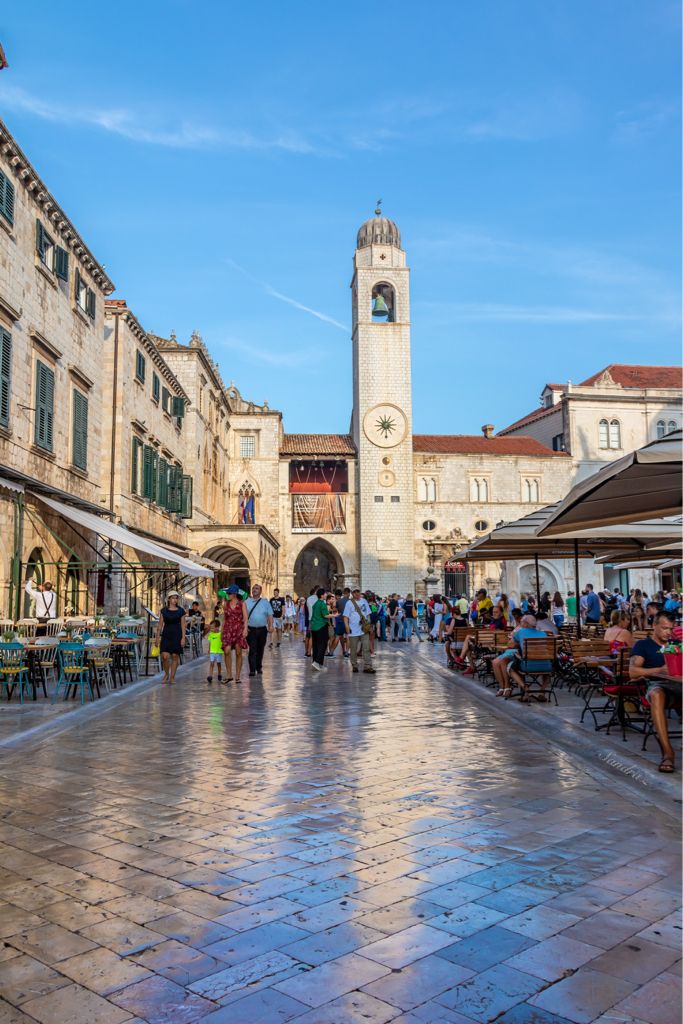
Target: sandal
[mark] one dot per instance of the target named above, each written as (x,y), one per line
(505,692)
(667,766)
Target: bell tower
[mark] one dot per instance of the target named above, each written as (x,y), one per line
(382,407)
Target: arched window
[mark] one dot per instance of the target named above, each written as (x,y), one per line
(603,434)
(661,428)
(532,489)
(426,488)
(671,425)
(383,303)
(35,571)
(614,434)
(246,505)
(73,586)
(479,489)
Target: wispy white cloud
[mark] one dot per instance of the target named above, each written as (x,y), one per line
(128,125)
(269,290)
(642,122)
(285,356)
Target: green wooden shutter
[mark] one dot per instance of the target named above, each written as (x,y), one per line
(61,267)
(155,475)
(135,466)
(79,450)
(45,400)
(156,386)
(6,198)
(5,375)
(90,303)
(40,239)
(178,407)
(165,399)
(162,489)
(140,366)
(186,504)
(147,483)
(175,489)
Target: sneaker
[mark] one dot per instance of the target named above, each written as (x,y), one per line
(347,654)
(316,666)
(369,671)
(209,679)
(251,674)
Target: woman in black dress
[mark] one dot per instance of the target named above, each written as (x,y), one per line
(171,635)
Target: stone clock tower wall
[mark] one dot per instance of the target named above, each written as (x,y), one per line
(382,409)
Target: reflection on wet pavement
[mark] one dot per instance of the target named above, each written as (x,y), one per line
(327,848)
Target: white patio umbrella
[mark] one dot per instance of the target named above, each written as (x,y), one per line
(645,483)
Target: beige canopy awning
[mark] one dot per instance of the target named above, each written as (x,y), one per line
(122,535)
(643,484)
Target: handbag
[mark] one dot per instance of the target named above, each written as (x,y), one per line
(155,652)
(366,626)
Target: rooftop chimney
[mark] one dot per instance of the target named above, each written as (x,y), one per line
(487,430)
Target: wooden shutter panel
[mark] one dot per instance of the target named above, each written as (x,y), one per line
(61,263)
(147,487)
(5,375)
(6,198)
(45,398)
(186,509)
(178,407)
(162,489)
(40,231)
(79,454)
(155,475)
(135,466)
(90,303)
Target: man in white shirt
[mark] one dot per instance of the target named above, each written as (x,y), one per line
(356,616)
(45,600)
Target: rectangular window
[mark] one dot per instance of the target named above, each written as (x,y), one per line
(379,498)
(85,297)
(45,401)
(166,400)
(162,485)
(156,387)
(186,510)
(5,375)
(178,407)
(558,443)
(247,446)
(140,366)
(79,440)
(6,198)
(395,498)
(175,489)
(136,466)
(149,465)
(44,246)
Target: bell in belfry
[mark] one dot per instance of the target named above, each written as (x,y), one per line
(379,306)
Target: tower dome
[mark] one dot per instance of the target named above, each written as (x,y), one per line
(378,230)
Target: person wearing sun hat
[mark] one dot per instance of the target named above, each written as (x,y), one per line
(234,635)
(170,635)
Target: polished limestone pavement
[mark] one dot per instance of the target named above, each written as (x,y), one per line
(327,848)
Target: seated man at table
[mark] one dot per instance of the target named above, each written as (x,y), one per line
(648,664)
(518,666)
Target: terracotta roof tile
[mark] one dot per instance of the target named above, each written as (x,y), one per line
(639,376)
(317,444)
(537,414)
(477,444)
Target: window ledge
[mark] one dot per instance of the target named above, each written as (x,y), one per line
(6,432)
(140,383)
(9,228)
(82,315)
(47,274)
(45,453)
(77,471)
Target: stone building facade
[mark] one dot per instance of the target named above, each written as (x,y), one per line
(53,378)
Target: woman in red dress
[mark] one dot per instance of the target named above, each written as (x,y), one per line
(234,634)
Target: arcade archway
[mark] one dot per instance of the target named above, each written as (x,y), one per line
(318,565)
(235,566)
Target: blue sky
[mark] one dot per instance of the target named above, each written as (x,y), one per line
(220,157)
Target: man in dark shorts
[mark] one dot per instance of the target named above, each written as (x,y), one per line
(339,636)
(277,604)
(648,665)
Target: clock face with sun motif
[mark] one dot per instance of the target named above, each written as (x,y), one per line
(385,425)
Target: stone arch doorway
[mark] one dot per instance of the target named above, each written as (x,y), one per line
(35,571)
(317,564)
(236,566)
(547,579)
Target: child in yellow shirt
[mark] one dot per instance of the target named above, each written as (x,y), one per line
(215,650)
